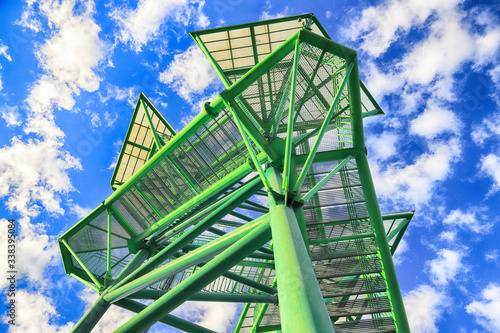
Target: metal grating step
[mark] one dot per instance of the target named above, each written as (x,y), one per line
(338,230)
(360,306)
(349,287)
(375,325)
(347,267)
(343,249)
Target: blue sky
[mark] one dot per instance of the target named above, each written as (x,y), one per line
(71,72)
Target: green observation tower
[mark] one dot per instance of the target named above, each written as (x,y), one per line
(265,198)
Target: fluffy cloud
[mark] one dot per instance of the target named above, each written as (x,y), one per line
(37,315)
(11,115)
(487,309)
(473,219)
(382,146)
(382,25)
(488,129)
(183,79)
(69,58)
(34,174)
(452,37)
(424,307)
(490,166)
(445,267)
(434,121)
(37,251)
(143,24)
(34,171)
(415,183)
(215,316)
(3,51)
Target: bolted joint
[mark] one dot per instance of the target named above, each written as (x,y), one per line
(297,204)
(293,201)
(209,110)
(278,198)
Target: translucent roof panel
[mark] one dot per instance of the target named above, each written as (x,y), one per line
(241,47)
(139,144)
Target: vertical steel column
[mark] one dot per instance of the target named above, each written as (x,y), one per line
(384,252)
(302,308)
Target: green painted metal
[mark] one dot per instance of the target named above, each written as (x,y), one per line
(100,306)
(233,200)
(297,285)
(89,273)
(325,179)
(291,118)
(393,290)
(167,319)
(210,297)
(231,256)
(322,130)
(109,276)
(250,149)
(194,257)
(321,247)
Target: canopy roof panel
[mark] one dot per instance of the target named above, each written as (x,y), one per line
(240,47)
(140,143)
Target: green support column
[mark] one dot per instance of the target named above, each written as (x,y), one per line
(302,308)
(197,281)
(389,272)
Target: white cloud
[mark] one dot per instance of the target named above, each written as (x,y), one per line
(143,24)
(382,146)
(445,268)
(267,16)
(114,318)
(424,307)
(490,166)
(120,94)
(487,130)
(451,38)
(449,236)
(34,173)
(36,252)
(95,119)
(473,219)
(187,82)
(37,314)
(11,115)
(34,170)
(381,82)
(492,256)
(487,309)
(80,211)
(3,51)
(448,46)
(382,25)
(415,183)
(215,316)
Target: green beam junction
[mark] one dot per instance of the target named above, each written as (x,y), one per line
(265,198)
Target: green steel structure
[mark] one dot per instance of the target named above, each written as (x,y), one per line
(264,198)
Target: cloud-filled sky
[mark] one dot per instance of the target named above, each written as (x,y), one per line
(71,72)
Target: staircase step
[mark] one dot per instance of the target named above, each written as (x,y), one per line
(375,325)
(347,287)
(341,267)
(360,306)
